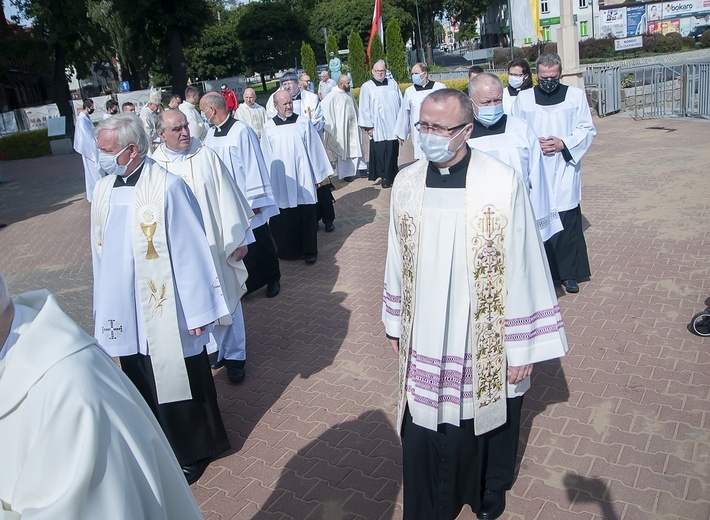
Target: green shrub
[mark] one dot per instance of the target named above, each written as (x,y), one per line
(394,47)
(25,145)
(356,59)
(705,39)
(308,61)
(651,42)
(376,51)
(671,42)
(596,48)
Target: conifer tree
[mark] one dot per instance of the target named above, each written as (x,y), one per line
(376,51)
(356,59)
(308,60)
(396,60)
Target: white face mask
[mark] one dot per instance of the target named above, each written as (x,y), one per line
(516,81)
(109,163)
(436,147)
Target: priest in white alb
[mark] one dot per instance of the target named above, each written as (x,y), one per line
(226,215)
(297,164)
(305,103)
(380,100)
(412,101)
(560,116)
(198,128)
(238,147)
(468,306)
(512,141)
(251,113)
(156,291)
(77,440)
(149,116)
(342,135)
(85,145)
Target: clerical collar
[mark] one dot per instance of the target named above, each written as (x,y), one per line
(380,83)
(223,129)
(456,176)
(550,98)
(297,97)
(175,156)
(289,120)
(429,85)
(130,180)
(513,91)
(481,130)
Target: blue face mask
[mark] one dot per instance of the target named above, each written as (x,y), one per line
(417,79)
(436,147)
(488,116)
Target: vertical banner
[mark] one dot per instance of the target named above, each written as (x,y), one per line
(636,20)
(376,28)
(522,20)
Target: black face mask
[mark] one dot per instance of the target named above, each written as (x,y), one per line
(548,85)
(90,111)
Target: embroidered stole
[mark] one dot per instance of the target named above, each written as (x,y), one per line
(154,278)
(489,186)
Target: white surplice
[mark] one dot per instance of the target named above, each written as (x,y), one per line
(571,121)
(77,439)
(119,319)
(408,114)
(150,122)
(443,317)
(85,144)
(379,108)
(519,148)
(296,160)
(254,116)
(342,135)
(198,128)
(240,152)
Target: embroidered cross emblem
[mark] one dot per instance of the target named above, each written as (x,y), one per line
(112,329)
(309,111)
(488,216)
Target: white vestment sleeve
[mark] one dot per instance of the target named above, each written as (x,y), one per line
(402,125)
(392,293)
(365,113)
(533,325)
(317,119)
(194,271)
(540,186)
(583,134)
(317,156)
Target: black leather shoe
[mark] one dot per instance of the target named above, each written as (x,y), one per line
(385,185)
(349,179)
(194,471)
(273,288)
(215,362)
(311,259)
(571,286)
(492,504)
(329,227)
(235,371)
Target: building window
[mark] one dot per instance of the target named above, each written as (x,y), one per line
(583,4)
(527,41)
(544,8)
(546,34)
(583,28)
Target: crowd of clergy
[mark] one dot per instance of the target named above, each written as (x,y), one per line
(193,206)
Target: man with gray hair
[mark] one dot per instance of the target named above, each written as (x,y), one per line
(73,429)
(511,140)
(156,290)
(325,85)
(380,100)
(412,101)
(560,116)
(305,103)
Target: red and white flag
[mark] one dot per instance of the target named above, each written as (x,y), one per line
(376,27)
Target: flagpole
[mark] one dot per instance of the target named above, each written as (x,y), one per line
(420,49)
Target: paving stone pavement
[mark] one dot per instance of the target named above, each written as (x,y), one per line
(617,430)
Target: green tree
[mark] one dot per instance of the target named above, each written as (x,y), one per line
(332,44)
(308,60)
(356,59)
(217,53)
(395,51)
(268,47)
(376,51)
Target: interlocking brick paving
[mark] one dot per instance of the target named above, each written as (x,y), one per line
(617,430)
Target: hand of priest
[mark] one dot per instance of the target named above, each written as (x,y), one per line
(394,343)
(517,374)
(240,253)
(551,145)
(197,331)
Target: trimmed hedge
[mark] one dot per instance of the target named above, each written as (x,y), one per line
(25,145)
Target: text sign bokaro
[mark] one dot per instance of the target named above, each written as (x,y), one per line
(623,44)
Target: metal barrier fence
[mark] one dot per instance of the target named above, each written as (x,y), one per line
(651,91)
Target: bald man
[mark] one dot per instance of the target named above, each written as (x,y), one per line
(251,112)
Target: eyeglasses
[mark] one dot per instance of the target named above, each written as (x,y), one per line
(436,129)
(379,70)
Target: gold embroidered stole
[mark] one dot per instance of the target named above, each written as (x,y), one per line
(489,186)
(154,277)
